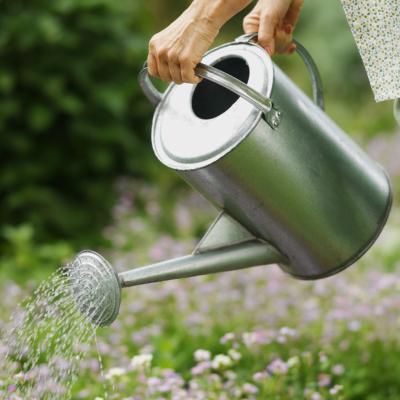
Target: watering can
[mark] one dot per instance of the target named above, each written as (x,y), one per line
(292,188)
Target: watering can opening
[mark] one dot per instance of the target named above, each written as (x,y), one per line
(210,100)
(195,125)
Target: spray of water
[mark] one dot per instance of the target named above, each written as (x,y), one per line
(47,337)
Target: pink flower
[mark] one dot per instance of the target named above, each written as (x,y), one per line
(278,367)
(338,369)
(260,376)
(228,337)
(324,380)
(249,388)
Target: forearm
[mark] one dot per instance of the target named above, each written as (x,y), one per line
(217,12)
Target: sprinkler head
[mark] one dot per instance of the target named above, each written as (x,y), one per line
(96,287)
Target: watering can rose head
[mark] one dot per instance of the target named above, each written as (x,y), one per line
(95,287)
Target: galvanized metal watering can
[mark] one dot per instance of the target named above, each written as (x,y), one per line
(291,186)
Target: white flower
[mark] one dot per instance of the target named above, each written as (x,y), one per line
(285,331)
(316,396)
(98,398)
(117,371)
(354,326)
(249,338)
(338,369)
(141,361)
(336,389)
(293,361)
(230,375)
(228,337)
(323,359)
(234,354)
(221,361)
(202,355)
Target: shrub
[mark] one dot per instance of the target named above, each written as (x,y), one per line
(71,114)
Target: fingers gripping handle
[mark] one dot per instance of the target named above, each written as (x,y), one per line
(223,79)
(229,82)
(316,81)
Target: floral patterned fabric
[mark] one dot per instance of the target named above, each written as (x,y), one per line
(375,25)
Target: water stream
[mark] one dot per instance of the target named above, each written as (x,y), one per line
(44,343)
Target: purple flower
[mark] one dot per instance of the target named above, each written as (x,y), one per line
(278,367)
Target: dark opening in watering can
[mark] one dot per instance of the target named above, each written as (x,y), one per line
(291,186)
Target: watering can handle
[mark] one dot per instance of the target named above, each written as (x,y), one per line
(240,88)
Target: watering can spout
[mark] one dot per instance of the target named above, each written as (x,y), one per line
(226,246)
(231,258)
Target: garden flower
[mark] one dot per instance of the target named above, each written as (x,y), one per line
(11,388)
(293,361)
(323,359)
(336,389)
(324,380)
(316,396)
(278,367)
(200,368)
(202,355)
(285,331)
(228,337)
(249,338)
(230,375)
(204,306)
(249,388)
(260,376)
(234,354)
(221,361)
(338,369)
(354,326)
(141,362)
(115,372)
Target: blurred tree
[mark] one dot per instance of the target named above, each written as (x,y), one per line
(72,117)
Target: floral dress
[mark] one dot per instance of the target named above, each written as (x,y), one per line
(375,25)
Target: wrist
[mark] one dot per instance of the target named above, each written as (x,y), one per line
(217,12)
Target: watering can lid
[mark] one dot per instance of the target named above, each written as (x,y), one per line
(184,141)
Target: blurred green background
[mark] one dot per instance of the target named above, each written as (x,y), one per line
(78,171)
(73,120)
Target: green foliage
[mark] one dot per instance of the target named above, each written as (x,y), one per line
(23,259)
(264,334)
(72,116)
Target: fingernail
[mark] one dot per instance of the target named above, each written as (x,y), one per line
(288,28)
(291,48)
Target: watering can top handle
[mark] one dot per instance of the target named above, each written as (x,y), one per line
(240,88)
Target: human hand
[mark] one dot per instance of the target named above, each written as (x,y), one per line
(175,51)
(274,20)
